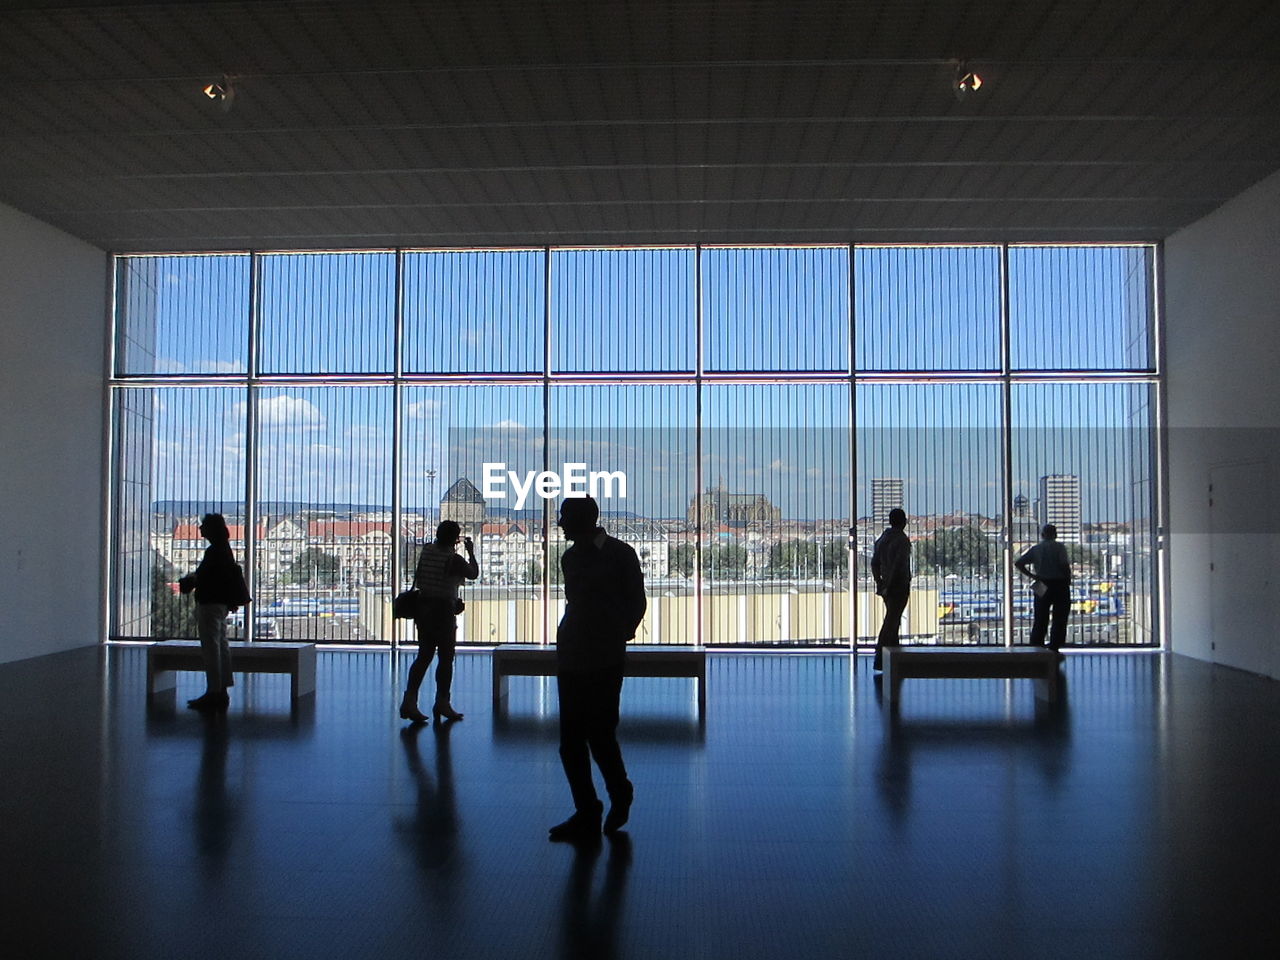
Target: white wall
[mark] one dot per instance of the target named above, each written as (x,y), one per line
(53,291)
(1222,302)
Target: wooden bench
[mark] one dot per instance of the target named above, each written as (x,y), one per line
(296,659)
(1035,663)
(526,660)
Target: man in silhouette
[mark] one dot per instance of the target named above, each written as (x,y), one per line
(891,568)
(1052,568)
(604,604)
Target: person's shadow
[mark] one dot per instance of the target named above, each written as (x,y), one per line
(591,921)
(215,811)
(433,830)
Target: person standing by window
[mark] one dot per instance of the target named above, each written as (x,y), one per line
(1052,587)
(891,568)
(439,574)
(218,583)
(604,604)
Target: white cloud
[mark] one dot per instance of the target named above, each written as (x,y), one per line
(423,409)
(286,411)
(508,425)
(173,366)
(220,366)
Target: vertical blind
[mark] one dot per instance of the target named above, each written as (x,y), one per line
(765,405)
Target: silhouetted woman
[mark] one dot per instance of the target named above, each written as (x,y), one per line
(220,589)
(439,574)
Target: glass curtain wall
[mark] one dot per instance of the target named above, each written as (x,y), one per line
(764,407)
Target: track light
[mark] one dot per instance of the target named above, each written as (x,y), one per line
(966,81)
(221,92)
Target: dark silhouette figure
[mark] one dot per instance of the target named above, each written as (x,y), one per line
(439,574)
(604,604)
(1052,568)
(891,568)
(220,589)
(591,923)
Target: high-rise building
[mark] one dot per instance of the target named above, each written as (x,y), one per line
(886,494)
(1060,505)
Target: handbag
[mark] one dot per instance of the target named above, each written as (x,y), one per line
(405,605)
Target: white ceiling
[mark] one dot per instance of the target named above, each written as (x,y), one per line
(495,123)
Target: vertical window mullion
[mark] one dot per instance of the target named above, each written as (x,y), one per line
(397,440)
(251,441)
(1006,450)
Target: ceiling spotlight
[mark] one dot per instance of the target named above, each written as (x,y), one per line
(221,92)
(966,81)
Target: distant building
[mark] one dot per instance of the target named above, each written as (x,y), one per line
(463,504)
(1023,529)
(1060,505)
(886,495)
(718,506)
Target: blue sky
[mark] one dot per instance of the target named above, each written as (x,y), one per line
(770,310)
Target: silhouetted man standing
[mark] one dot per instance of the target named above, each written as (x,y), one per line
(604,604)
(891,568)
(1053,569)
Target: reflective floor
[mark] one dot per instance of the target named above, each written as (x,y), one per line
(1139,820)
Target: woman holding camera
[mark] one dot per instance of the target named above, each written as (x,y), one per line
(439,574)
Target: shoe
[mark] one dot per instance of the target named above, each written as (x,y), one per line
(410,712)
(210,701)
(619,811)
(582,827)
(442,711)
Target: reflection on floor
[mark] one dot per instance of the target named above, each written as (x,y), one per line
(1138,821)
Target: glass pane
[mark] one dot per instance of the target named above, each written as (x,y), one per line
(1083,461)
(776,308)
(774,513)
(927,308)
(1081,308)
(641,438)
(182,314)
(450,434)
(327,313)
(623,310)
(324,511)
(935,451)
(474,312)
(179,455)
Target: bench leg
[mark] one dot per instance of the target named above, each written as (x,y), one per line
(499,686)
(1047,687)
(303,675)
(161,685)
(161,681)
(702,693)
(890,683)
